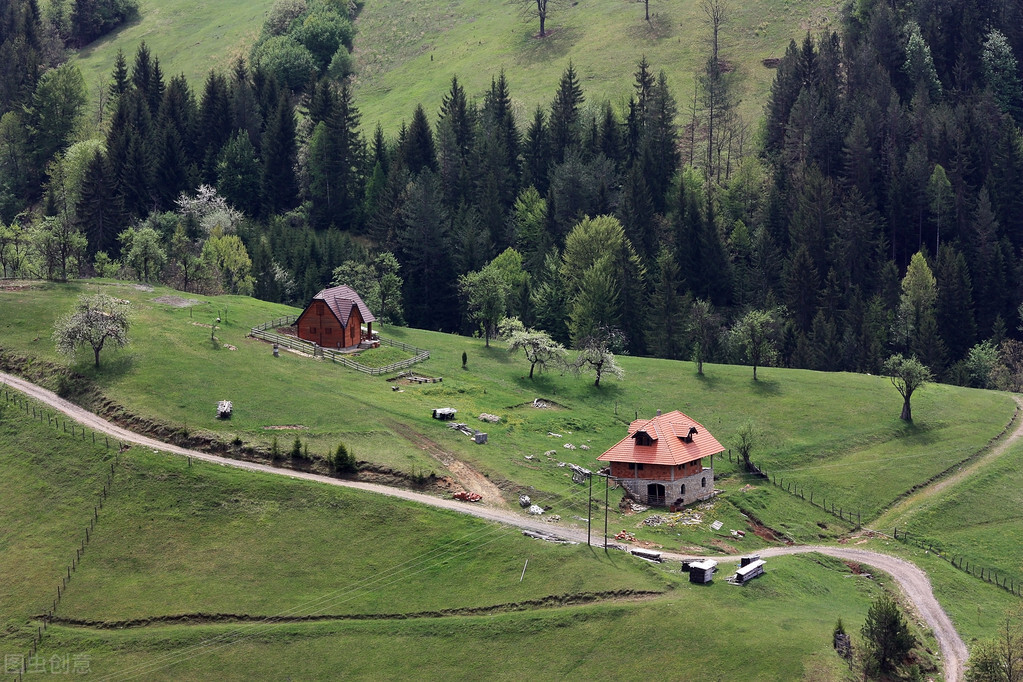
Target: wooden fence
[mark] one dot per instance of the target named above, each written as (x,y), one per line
(264,332)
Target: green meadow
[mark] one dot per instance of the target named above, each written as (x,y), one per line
(407,50)
(184,555)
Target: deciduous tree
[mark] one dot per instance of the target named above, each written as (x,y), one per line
(907,375)
(96,320)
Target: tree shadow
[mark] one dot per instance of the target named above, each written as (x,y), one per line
(708,380)
(559,41)
(657,29)
(766,386)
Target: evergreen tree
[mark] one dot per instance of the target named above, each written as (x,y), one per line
(666,332)
(565,123)
(418,152)
(536,152)
(98,209)
(279,187)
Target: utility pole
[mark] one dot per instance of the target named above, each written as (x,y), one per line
(589,510)
(606,487)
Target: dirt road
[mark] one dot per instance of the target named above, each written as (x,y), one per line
(911,580)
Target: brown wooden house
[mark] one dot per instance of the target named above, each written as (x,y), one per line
(661,461)
(334,319)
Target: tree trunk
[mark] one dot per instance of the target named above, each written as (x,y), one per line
(647,3)
(907,413)
(754,372)
(531,371)
(96,352)
(542,21)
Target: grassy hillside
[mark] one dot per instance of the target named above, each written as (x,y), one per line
(208,542)
(838,433)
(408,50)
(188,37)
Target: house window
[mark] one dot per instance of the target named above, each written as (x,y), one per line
(683,488)
(643,438)
(312,330)
(633,466)
(703,482)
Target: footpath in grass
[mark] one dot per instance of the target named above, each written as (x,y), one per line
(979,519)
(770,629)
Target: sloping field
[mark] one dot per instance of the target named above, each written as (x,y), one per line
(408,50)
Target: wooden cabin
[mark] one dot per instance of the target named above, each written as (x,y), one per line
(334,319)
(662,460)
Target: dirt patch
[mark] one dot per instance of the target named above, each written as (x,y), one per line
(176,301)
(472,480)
(724,546)
(857,569)
(540,404)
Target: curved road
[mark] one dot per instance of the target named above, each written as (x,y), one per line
(912,580)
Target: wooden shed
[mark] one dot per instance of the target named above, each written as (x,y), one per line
(335,319)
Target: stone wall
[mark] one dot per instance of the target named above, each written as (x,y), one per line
(699,486)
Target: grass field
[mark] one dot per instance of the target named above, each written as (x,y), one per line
(817,429)
(980,519)
(773,629)
(408,50)
(212,542)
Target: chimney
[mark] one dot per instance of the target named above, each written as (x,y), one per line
(658,413)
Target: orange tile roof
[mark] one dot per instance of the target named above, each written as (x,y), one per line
(667,433)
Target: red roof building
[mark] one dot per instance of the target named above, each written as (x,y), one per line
(661,461)
(334,319)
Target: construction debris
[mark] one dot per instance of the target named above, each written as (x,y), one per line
(444,413)
(224,409)
(467,496)
(535,509)
(524,501)
(553,435)
(479,436)
(625,536)
(568,446)
(540,404)
(492,418)
(547,537)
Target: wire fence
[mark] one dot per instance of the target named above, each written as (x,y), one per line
(817,499)
(990,575)
(308,347)
(60,423)
(965,564)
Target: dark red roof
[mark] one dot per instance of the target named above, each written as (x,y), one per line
(341,300)
(667,434)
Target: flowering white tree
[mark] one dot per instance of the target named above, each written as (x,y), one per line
(96,319)
(210,210)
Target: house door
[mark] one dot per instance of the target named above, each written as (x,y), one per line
(655,494)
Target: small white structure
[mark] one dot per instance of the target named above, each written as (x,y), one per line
(224,409)
(749,569)
(702,572)
(647,554)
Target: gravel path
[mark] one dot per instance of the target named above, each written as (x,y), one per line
(912,580)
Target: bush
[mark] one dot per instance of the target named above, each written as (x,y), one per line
(287,60)
(343,460)
(296,448)
(275,449)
